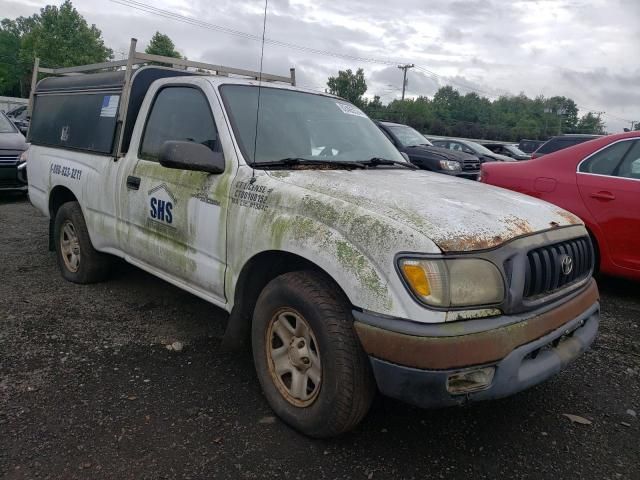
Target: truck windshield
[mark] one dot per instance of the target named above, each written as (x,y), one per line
(408,136)
(5,125)
(294,124)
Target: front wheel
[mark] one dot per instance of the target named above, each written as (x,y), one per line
(79,262)
(309,361)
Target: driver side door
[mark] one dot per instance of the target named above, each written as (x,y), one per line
(609,183)
(177,217)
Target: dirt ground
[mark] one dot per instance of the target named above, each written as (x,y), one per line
(89,390)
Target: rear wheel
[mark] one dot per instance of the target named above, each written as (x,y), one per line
(309,361)
(78,261)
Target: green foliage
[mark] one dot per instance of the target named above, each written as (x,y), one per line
(508,118)
(9,69)
(161,44)
(349,86)
(591,123)
(59,36)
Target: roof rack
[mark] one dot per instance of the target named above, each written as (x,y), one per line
(137,58)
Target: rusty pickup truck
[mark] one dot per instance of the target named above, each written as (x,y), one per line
(348,270)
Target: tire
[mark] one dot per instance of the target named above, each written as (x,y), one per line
(342,396)
(78,261)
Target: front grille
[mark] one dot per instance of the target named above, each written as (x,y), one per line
(9,159)
(545,272)
(471,165)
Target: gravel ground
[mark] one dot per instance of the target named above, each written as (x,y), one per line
(88,389)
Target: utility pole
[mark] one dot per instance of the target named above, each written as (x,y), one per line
(404,69)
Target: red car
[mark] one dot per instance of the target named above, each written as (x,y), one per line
(599,181)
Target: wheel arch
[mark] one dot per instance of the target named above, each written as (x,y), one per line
(58,196)
(256,273)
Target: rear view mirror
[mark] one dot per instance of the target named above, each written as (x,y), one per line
(184,155)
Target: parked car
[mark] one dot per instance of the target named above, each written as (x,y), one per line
(507,150)
(423,154)
(529,146)
(597,180)
(346,266)
(472,148)
(562,141)
(19,116)
(12,162)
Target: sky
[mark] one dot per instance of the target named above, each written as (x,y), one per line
(582,49)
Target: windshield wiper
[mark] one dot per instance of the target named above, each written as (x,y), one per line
(375,161)
(291,162)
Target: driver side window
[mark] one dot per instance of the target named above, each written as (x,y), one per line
(178,113)
(606,161)
(630,166)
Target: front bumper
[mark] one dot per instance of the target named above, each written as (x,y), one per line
(12,177)
(415,368)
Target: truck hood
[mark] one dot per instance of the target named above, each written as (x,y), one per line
(439,152)
(457,215)
(501,158)
(12,141)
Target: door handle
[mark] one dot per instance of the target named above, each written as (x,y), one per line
(133,183)
(603,195)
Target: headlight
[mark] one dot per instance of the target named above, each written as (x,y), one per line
(456,282)
(449,165)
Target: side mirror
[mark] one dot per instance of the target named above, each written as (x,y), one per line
(184,155)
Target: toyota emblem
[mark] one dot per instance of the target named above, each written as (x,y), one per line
(567,265)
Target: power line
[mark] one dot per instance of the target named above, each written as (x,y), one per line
(192,21)
(181,18)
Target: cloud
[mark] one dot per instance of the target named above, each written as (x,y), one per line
(579,48)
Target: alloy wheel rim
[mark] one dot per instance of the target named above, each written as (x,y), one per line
(70,247)
(294,357)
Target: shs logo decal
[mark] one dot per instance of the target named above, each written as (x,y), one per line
(161,210)
(161,205)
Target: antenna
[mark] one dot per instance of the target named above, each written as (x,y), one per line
(255,137)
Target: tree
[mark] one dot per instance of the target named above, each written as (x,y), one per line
(349,86)
(591,123)
(9,67)
(161,44)
(59,36)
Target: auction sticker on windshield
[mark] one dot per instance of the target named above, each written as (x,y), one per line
(350,109)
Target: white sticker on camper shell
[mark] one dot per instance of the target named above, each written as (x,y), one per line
(109,105)
(350,109)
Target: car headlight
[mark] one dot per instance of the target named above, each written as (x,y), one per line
(456,282)
(449,165)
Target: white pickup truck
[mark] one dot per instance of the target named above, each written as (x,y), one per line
(350,271)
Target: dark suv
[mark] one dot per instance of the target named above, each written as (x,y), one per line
(561,142)
(12,165)
(423,154)
(529,146)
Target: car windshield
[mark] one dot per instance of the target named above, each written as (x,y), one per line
(300,125)
(408,136)
(479,148)
(5,125)
(515,150)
